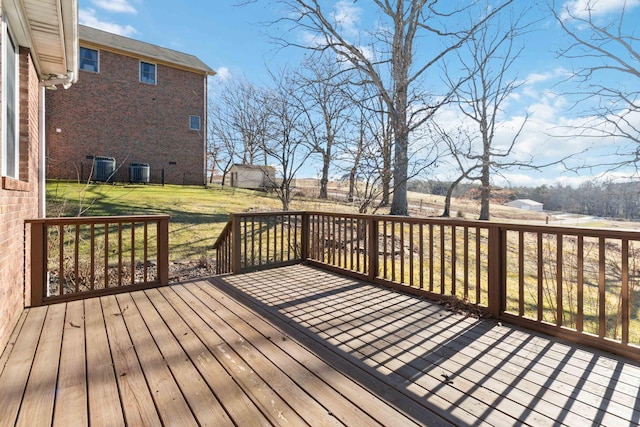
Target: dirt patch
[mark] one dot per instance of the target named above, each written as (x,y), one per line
(463,307)
(191,269)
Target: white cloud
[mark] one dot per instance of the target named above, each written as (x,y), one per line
(118,6)
(88,17)
(582,8)
(534,78)
(347,16)
(223,74)
(553,132)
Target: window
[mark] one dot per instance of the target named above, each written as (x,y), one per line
(194,122)
(89,59)
(10,109)
(147,73)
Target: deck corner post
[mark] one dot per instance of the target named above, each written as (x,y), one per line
(38,267)
(372,250)
(306,237)
(163,251)
(496,272)
(236,240)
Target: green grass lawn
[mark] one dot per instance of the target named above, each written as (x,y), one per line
(198,214)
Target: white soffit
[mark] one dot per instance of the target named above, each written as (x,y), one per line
(49,28)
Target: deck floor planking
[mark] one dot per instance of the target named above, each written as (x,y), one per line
(298,346)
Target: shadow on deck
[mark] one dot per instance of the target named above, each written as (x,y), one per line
(298,346)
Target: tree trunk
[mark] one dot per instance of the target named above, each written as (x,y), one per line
(324,180)
(352,184)
(401,61)
(285,195)
(386,172)
(485,192)
(399,204)
(447,200)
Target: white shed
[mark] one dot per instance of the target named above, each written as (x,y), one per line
(252,176)
(526,204)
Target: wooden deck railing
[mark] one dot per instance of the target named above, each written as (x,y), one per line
(85,256)
(266,239)
(577,283)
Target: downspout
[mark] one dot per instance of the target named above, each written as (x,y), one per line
(205,129)
(42,155)
(50,84)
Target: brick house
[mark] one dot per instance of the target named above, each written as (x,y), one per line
(39,50)
(135,103)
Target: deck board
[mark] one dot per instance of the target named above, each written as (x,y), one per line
(102,390)
(72,384)
(137,402)
(18,366)
(254,377)
(206,408)
(169,401)
(298,346)
(240,407)
(38,399)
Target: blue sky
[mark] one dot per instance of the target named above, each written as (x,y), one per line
(234,41)
(228,38)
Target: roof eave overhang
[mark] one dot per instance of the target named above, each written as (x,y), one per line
(50,30)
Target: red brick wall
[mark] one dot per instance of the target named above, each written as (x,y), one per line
(112,114)
(18,202)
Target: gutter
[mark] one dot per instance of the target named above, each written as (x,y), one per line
(53,82)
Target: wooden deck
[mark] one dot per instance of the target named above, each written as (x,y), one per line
(298,346)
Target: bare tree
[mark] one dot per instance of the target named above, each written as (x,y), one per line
(403,24)
(606,60)
(223,143)
(237,123)
(362,154)
(285,144)
(487,58)
(323,94)
(369,147)
(454,141)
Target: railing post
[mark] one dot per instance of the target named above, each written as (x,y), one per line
(496,271)
(305,239)
(235,244)
(163,251)
(372,250)
(38,267)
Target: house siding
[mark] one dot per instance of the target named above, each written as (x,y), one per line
(112,114)
(18,202)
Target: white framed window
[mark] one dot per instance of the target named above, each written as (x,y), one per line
(194,122)
(10,106)
(89,60)
(147,73)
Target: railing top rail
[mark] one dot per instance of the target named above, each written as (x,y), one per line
(267,213)
(534,228)
(572,230)
(223,234)
(97,219)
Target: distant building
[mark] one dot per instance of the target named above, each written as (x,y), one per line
(526,204)
(134,104)
(252,176)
